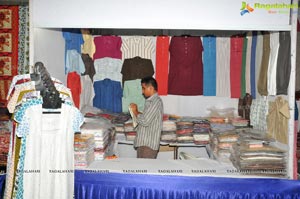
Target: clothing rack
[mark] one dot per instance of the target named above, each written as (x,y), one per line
(45,85)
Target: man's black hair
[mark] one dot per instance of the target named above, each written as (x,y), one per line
(149,81)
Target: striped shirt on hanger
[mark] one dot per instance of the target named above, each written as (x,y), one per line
(138,46)
(150,123)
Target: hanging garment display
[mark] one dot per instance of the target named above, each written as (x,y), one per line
(258,60)
(248,62)
(109,68)
(108,95)
(132,93)
(162,64)
(223,67)
(277,119)
(209,66)
(89,65)
(108,46)
(236,58)
(262,84)
(283,63)
(74,84)
(74,62)
(87,94)
(253,65)
(88,47)
(136,68)
(134,46)
(186,68)
(272,67)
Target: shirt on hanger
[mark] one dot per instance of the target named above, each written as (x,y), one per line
(262,84)
(87,95)
(89,65)
(162,64)
(272,66)
(108,46)
(253,65)
(109,68)
(88,47)
(283,64)
(73,38)
(136,68)
(236,59)
(258,60)
(74,84)
(132,93)
(248,62)
(186,68)
(108,95)
(74,62)
(209,66)
(223,67)
(134,46)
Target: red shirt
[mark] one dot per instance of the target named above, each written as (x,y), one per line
(108,46)
(74,84)
(186,67)
(162,64)
(236,58)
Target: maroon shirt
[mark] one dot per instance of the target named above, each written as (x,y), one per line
(186,67)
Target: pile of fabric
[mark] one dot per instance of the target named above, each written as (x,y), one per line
(83,150)
(130,131)
(222,137)
(103,132)
(201,131)
(239,122)
(256,154)
(5,127)
(168,133)
(184,131)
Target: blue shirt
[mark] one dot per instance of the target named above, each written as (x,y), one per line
(73,39)
(108,95)
(209,66)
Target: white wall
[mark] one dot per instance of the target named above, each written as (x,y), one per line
(49,48)
(158,14)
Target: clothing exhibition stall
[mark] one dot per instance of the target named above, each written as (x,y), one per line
(173,25)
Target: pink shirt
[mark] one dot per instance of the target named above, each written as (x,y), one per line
(108,46)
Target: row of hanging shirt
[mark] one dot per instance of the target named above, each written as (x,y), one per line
(40,160)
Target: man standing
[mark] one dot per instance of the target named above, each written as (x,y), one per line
(149,123)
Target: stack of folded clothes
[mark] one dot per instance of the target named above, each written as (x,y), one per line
(255,153)
(103,132)
(130,131)
(201,131)
(168,133)
(83,150)
(184,131)
(222,138)
(239,122)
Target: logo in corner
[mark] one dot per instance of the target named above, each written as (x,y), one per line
(246,8)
